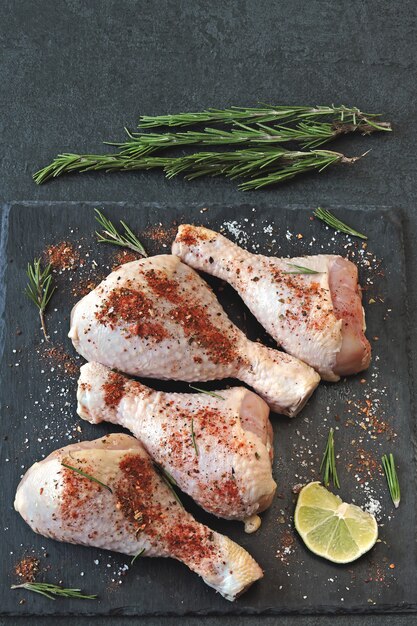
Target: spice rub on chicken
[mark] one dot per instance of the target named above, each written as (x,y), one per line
(218,449)
(157,318)
(317,316)
(123,504)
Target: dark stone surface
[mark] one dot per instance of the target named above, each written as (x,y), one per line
(73,73)
(293,584)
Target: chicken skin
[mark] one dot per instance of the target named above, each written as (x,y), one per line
(130,510)
(157,318)
(317,317)
(218,450)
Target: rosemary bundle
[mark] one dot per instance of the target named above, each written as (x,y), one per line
(260,159)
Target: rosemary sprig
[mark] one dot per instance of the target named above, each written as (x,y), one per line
(193,437)
(85,475)
(208,393)
(299,269)
(49,591)
(308,134)
(388,464)
(137,556)
(329,462)
(260,166)
(111,235)
(261,115)
(39,289)
(328,218)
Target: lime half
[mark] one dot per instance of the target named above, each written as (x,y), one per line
(331,528)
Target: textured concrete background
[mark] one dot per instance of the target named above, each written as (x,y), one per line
(75,72)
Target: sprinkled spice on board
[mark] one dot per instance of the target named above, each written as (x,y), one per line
(124,256)
(366,464)
(64,363)
(377,573)
(27,569)
(63,256)
(84,286)
(367,416)
(287,547)
(162,235)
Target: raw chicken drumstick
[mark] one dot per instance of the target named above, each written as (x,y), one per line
(317,318)
(218,450)
(157,318)
(133,511)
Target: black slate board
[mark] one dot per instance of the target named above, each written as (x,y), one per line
(38,415)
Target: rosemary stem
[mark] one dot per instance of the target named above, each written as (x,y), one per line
(42,318)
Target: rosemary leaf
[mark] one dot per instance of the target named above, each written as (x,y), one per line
(208,393)
(328,218)
(85,475)
(169,476)
(169,481)
(193,436)
(137,556)
(39,289)
(328,462)
(49,591)
(388,464)
(111,235)
(299,269)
